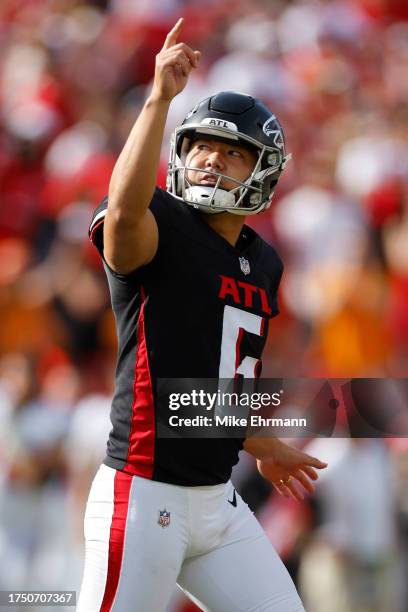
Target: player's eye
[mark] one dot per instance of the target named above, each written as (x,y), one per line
(203,147)
(235,153)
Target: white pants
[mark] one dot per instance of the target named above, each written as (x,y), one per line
(216,551)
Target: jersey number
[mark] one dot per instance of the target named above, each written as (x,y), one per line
(235,323)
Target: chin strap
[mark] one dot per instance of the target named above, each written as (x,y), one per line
(209,199)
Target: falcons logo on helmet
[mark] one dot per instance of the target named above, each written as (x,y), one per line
(269,128)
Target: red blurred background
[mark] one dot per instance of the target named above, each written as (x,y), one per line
(73,76)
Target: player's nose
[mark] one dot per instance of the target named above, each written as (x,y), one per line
(214,160)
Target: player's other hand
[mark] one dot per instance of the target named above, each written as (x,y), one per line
(173,65)
(291,470)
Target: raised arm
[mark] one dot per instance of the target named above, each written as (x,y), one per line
(130,230)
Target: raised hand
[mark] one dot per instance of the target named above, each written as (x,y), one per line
(173,65)
(289,468)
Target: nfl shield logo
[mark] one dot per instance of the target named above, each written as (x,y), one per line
(244,263)
(164,518)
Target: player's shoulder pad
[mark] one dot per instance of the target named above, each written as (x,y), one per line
(270,256)
(166,208)
(271,263)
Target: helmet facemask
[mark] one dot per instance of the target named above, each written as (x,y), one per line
(248,197)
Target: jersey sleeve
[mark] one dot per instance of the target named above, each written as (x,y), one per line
(96,227)
(95,233)
(165,210)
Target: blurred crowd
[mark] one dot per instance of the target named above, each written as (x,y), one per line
(73,77)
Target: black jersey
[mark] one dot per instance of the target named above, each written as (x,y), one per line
(200,309)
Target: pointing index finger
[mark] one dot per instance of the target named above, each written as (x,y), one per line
(316,463)
(172,36)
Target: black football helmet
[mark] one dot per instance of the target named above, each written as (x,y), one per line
(229,116)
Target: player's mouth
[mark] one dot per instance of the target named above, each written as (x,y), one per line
(208,179)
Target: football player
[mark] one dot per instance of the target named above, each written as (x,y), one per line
(193,289)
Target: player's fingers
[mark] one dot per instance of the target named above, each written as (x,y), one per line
(184,65)
(286,488)
(176,57)
(192,55)
(291,487)
(282,490)
(172,36)
(304,481)
(310,472)
(177,60)
(184,69)
(314,462)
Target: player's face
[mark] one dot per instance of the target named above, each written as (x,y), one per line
(229,159)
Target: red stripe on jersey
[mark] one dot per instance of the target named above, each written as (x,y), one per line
(140,458)
(121,494)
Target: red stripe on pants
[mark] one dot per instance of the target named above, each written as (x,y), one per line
(117,537)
